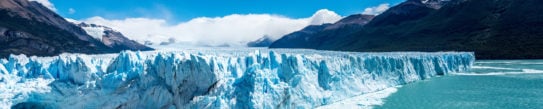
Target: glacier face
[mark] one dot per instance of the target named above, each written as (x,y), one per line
(213,78)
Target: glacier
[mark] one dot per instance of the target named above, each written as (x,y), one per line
(95,32)
(214,78)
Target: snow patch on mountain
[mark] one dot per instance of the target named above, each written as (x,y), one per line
(95,32)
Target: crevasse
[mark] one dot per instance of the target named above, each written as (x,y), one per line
(214,78)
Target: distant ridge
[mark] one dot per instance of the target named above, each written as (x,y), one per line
(112,38)
(314,36)
(493,29)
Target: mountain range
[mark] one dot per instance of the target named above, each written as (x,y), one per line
(111,37)
(493,29)
(27,27)
(262,42)
(314,36)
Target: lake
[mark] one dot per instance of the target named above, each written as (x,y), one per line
(491,84)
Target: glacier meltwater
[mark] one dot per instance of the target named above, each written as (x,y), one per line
(213,78)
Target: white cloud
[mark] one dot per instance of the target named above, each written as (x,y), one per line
(235,29)
(47,4)
(71,11)
(377,9)
(324,16)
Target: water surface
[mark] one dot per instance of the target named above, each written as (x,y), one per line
(496,84)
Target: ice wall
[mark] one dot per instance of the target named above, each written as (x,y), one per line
(213,78)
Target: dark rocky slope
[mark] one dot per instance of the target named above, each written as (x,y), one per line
(115,39)
(314,36)
(493,29)
(32,29)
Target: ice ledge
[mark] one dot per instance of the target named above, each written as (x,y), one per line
(215,78)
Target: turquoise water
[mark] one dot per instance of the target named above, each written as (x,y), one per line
(496,84)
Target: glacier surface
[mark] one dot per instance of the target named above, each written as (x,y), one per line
(95,32)
(214,78)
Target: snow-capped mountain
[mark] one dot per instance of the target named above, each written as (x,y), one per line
(213,78)
(27,27)
(111,38)
(96,31)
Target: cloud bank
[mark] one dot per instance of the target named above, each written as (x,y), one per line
(377,9)
(47,4)
(232,30)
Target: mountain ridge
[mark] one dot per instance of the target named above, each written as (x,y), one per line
(112,38)
(27,27)
(314,36)
(493,29)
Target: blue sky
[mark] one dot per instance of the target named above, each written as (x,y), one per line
(183,10)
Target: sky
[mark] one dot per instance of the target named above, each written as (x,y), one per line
(211,22)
